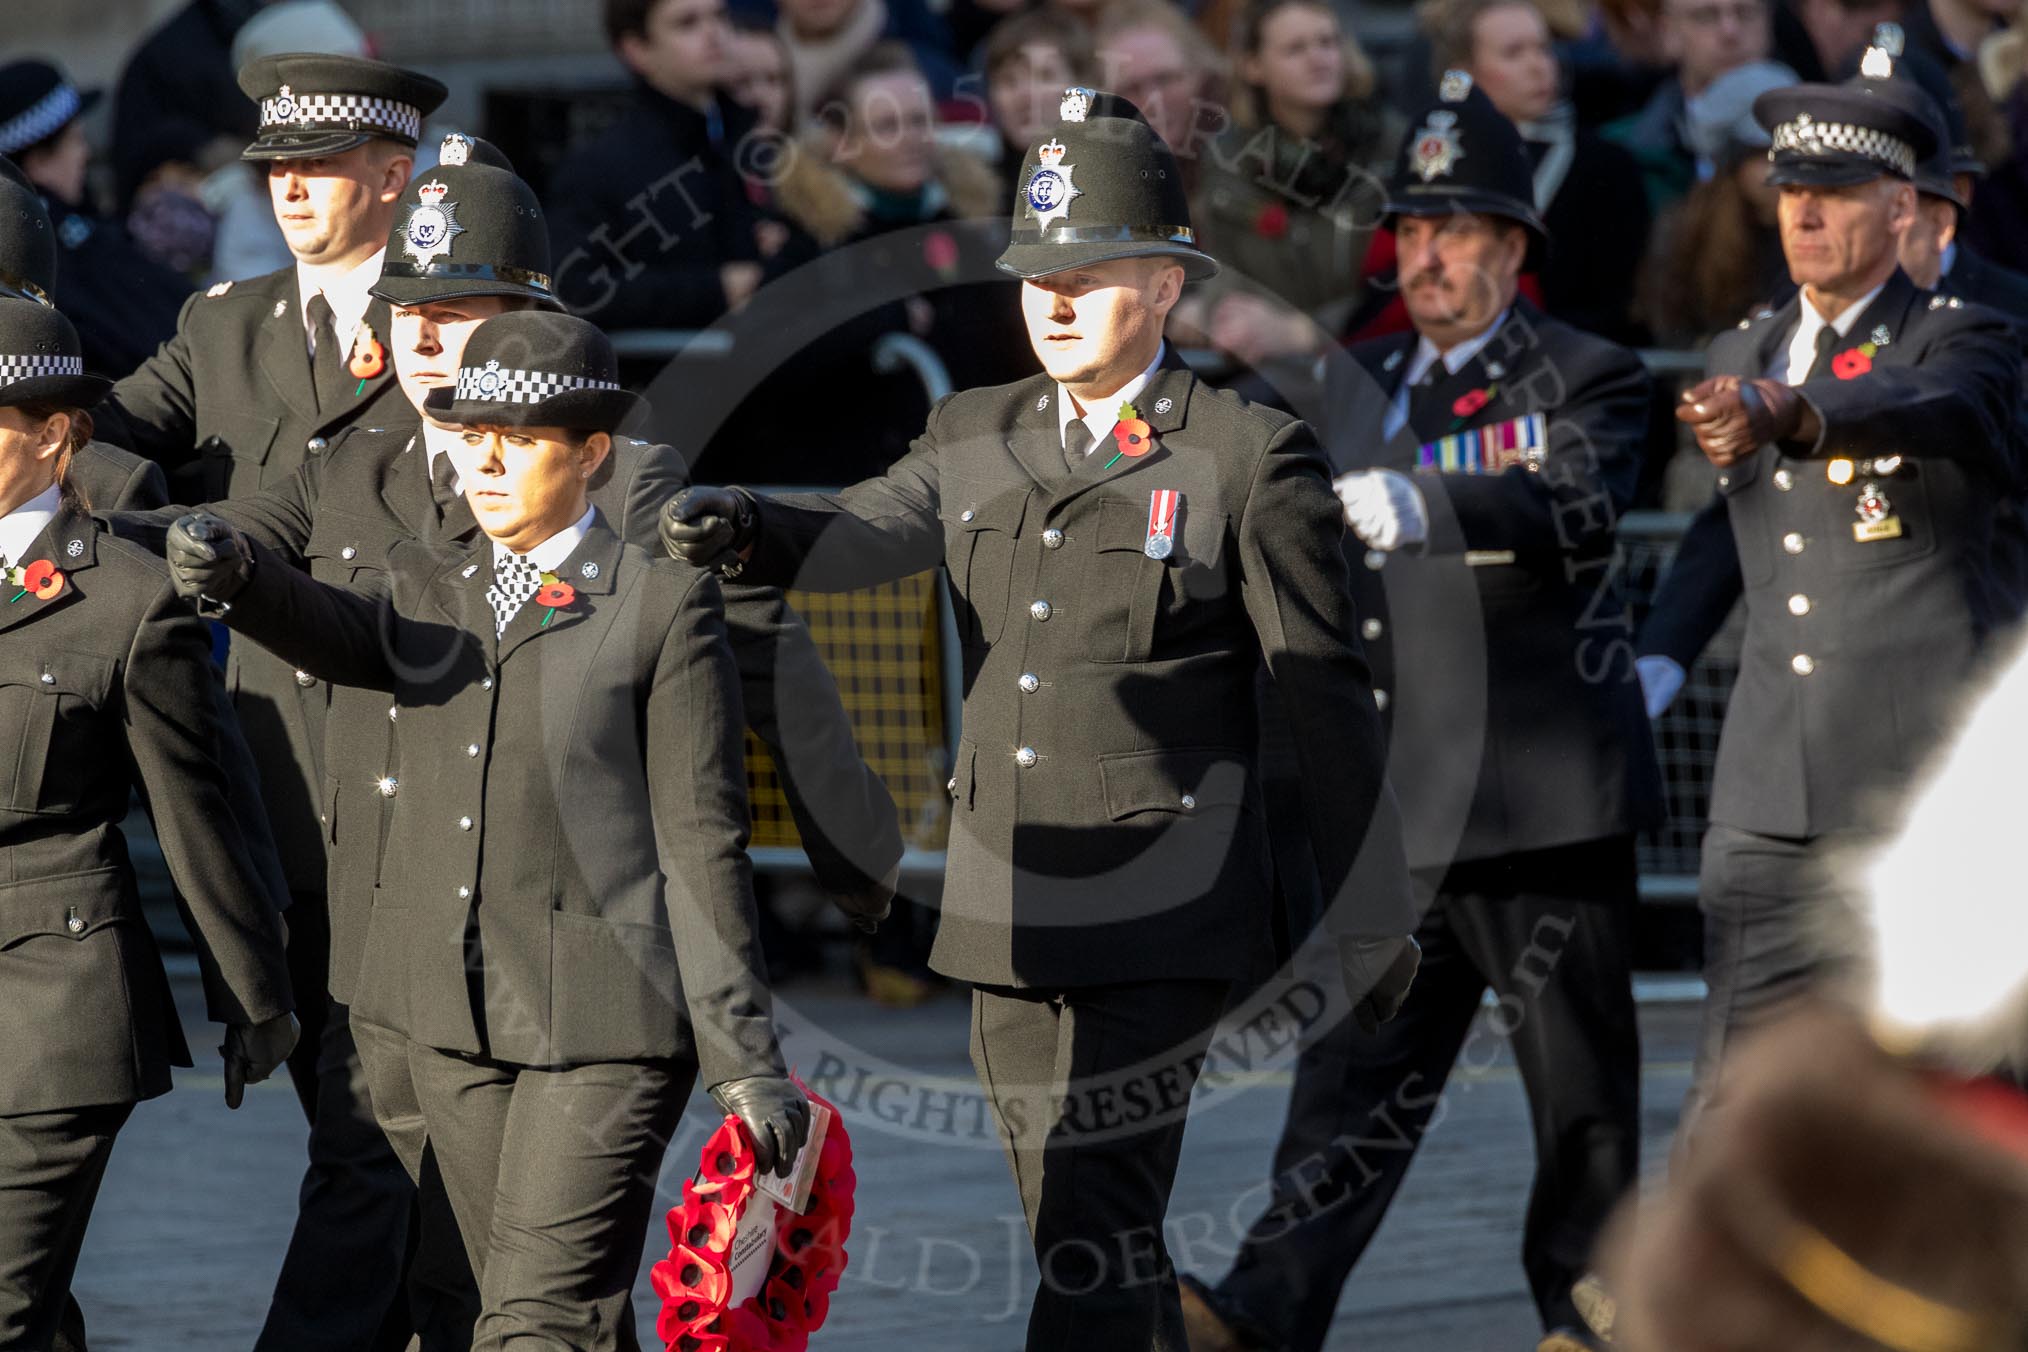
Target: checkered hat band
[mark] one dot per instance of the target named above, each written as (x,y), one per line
(1809,137)
(342,112)
(13,368)
(503,386)
(42,118)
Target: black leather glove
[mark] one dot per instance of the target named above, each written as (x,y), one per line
(209,559)
(867,906)
(1730,416)
(253,1051)
(709,527)
(1378,973)
(776,1115)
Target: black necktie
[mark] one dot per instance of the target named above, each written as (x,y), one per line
(1077,444)
(443,483)
(327,367)
(1427,415)
(1827,339)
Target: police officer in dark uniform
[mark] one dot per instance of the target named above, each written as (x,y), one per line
(1863,435)
(1483,544)
(122,301)
(1127,546)
(562,934)
(259,377)
(106,686)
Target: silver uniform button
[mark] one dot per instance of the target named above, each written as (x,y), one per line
(1028,683)
(1189,802)
(1040,610)
(951,786)
(464,893)
(1784,480)
(1052,538)
(75,924)
(388,786)
(1799,604)
(967,514)
(316,443)
(472,750)
(1380,699)
(1724,480)
(392,710)
(486,683)
(1802,664)
(348,553)
(1793,542)
(48,678)
(1026,757)
(1375,560)
(1372,629)
(464,823)
(305,679)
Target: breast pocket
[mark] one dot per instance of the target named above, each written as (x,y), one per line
(342,548)
(982,525)
(1896,526)
(1132,599)
(56,703)
(234,448)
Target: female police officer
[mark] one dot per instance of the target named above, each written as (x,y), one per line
(105,686)
(563,929)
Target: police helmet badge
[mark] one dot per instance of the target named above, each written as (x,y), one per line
(1436,150)
(431,225)
(490,378)
(285,105)
(455,150)
(1076,105)
(1049,188)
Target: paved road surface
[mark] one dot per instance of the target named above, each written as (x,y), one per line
(198,1202)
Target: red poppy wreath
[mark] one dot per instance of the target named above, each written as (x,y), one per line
(720,1220)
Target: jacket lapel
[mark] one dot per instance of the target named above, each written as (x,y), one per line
(353,391)
(1163,405)
(1885,317)
(405,490)
(285,354)
(70,543)
(458,590)
(1035,441)
(588,572)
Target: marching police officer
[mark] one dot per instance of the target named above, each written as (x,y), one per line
(259,377)
(1863,436)
(1127,545)
(1510,443)
(563,933)
(106,686)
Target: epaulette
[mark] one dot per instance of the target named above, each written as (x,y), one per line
(1756,317)
(218,289)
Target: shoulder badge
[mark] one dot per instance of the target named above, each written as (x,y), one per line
(218,289)
(431,225)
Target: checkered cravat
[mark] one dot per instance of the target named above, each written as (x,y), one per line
(514,581)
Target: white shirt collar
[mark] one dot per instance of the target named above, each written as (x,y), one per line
(1803,346)
(20,527)
(1426,353)
(550,554)
(1101,417)
(346,291)
(1949,259)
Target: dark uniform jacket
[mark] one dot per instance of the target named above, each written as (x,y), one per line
(1507,648)
(1856,649)
(1108,822)
(123,302)
(105,688)
(341,516)
(566,861)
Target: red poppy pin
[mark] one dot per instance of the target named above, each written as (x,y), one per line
(556,594)
(1471,401)
(39,579)
(368,359)
(1273,221)
(1132,435)
(1853,362)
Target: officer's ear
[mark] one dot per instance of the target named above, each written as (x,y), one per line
(592,452)
(396,164)
(1901,205)
(1164,286)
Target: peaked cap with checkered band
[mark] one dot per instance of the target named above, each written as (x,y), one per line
(536,368)
(1834,136)
(314,104)
(41,360)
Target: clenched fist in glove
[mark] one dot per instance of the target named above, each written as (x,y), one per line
(708,527)
(1730,416)
(1383,507)
(252,1051)
(776,1115)
(1378,973)
(209,560)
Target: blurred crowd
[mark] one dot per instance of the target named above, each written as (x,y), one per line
(754,138)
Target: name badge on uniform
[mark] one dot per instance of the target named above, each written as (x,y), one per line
(1490,449)
(1877,520)
(1163,505)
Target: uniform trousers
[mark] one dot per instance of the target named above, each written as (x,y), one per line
(1090,1088)
(551,1179)
(1549,932)
(51,1165)
(340,1288)
(1777,924)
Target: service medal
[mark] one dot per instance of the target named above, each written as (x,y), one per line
(1163,505)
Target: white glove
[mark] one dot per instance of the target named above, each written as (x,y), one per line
(1383,507)
(1661,677)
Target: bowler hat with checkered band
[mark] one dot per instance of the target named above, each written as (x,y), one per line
(469,227)
(536,368)
(314,104)
(1836,136)
(1462,156)
(41,360)
(1100,186)
(37,102)
(27,240)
